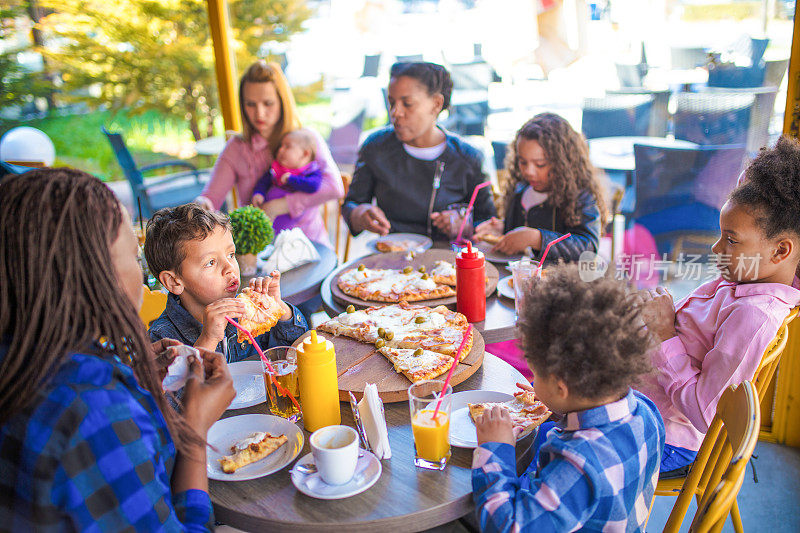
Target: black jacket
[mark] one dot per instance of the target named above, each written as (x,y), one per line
(549,221)
(403,184)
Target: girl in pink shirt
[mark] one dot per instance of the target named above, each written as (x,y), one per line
(717,335)
(268,113)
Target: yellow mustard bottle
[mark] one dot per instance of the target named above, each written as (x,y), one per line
(319,386)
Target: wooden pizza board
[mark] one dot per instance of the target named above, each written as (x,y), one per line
(399,260)
(359,363)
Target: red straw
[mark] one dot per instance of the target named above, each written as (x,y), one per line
(547,249)
(281,389)
(452,368)
(469,208)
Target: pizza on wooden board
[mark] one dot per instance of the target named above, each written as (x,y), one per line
(254,448)
(261,313)
(421,342)
(392,285)
(526,411)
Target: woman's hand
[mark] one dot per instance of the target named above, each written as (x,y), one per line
(165,355)
(658,312)
(208,391)
(448,222)
(493,226)
(371,218)
(516,240)
(275,208)
(494,425)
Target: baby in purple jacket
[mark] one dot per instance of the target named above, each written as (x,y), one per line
(294,170)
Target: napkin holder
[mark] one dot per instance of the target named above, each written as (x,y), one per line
(372,421)
(290,250)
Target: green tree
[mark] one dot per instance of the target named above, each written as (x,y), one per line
(18,86)
(156,54)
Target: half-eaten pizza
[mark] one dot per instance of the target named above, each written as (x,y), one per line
(526,411)
(254,448)
(261,313)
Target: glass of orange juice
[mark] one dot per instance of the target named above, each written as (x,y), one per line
(431,434)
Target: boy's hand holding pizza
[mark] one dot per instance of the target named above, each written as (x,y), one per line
(271,286)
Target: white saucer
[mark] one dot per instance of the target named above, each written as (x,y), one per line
(504,287)
(462,428)
(368,470)
(248,380)
(228,431)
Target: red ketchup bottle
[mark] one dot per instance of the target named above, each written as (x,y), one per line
(471,284)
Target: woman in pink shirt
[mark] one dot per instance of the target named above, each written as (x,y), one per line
(717,335)
(268,113)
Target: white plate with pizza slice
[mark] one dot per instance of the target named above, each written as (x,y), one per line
(248,380)
(227,434)
(462,428)
(525,410)
(505,287)
(400,242)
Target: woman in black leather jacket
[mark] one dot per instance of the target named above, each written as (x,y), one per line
(552,190)
(398,166)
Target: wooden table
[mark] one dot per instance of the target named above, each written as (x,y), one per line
(303,283)
(501,317)
(405,498)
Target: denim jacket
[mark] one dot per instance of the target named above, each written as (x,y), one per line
(177,323)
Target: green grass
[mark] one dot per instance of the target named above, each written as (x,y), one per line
(151,137)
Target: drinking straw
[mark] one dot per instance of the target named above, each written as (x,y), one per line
(452,367)
(547,249)
(141,220)
(469,208)
(281,389)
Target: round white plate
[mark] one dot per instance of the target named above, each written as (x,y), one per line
(504,287)
(228,431)
(496,257)
(248,380)
(462,429)
(422,242)
(368,470)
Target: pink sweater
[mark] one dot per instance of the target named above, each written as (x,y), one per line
(723,330)
(241,164)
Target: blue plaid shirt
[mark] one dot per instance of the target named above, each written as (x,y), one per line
(93,453)
(597,471)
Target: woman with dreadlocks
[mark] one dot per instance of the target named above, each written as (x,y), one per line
(87,440)
(552,189)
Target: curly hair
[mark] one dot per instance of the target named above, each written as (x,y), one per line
(588,334)
(435,78)
(571,171)
(772,188)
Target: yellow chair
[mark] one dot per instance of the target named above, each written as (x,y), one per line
(762,378)
(739,415)
(153,304)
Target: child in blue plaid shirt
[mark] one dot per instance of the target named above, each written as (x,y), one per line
(597,468)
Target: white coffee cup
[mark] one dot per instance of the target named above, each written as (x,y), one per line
(335,450)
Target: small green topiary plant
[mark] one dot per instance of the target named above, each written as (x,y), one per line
(252,230)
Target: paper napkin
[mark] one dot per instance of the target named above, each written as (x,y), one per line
(370,408)
(178,371)
(290,250)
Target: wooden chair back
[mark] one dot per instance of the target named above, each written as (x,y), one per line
(741,417)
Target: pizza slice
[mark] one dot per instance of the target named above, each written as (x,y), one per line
(395,246)
(526,411)
(417,364)
(254,448)
(490,239)
(444,272)
(262,312)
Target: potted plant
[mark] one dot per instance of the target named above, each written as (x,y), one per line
(252,232)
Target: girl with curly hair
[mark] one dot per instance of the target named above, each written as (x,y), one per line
(552,190)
